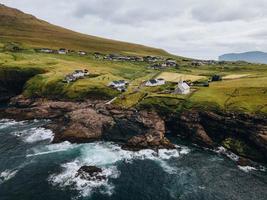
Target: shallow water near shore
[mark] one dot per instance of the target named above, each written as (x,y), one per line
(33,168)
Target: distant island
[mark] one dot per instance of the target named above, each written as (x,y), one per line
(252,56)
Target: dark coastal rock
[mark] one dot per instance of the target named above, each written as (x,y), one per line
(89,121)
(91,173)
(244,162)
(148,141)
(245,135)
(83,125)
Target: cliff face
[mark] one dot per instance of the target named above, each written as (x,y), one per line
(245,135)
(12,81)
(87,121)
(93,120)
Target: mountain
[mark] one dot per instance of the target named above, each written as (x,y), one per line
(17,26)
(253,57)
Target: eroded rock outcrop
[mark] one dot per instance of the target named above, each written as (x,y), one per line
(91,173)
(93,120)
(245,135)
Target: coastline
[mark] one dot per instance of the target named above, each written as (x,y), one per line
(93,120)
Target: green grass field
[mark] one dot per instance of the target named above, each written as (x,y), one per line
(241,93)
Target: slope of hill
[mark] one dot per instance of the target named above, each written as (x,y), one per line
(28,30)
(253,57)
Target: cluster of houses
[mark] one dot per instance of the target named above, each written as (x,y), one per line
(61,51)
(181,88)
(197,63)
(120,85)
(166,64)
(117,57)
(77,74)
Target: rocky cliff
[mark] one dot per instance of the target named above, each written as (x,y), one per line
(90,120)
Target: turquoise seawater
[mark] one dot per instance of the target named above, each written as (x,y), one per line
(32,168)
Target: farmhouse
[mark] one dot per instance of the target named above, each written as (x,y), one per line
(182,88)
(70,78)
(77,74)
(62,51)
(152,59)
(155,82)
(171,63)
(45,50)
(82,53)
(119,85)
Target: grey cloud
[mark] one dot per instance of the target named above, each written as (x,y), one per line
(129,12)
(193,28)
(219,11)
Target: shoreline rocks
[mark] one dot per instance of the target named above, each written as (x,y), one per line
(92,120)
(244,135)
(88,121)
(90,173)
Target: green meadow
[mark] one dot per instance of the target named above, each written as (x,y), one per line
(247,93)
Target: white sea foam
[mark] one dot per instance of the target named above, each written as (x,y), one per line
(7,175)
(235,158)
(247,168)
(229,154)
(5,123)
(106,155)
(52,148)
(35,135)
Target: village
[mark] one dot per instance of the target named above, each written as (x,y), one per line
(156,62)
(61,51)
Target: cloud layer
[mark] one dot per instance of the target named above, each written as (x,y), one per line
(193,28)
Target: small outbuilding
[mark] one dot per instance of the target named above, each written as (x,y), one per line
(216,78)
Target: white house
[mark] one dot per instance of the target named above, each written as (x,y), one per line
(69,78)
(46,50)
(82,53)
(117,84)
(62,51)
(182,88)
(78,74)
(120,85)
(155,82)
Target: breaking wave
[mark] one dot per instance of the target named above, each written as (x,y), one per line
(6,123)
(234,157)
(107,155)
(35,135)
(7,175)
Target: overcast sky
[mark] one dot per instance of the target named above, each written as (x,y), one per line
(193,28)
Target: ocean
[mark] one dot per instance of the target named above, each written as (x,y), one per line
(32,168)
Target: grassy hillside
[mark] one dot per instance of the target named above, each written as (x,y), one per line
(243,89)
(17,26)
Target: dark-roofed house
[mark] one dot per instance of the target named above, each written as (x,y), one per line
(69,78)
(62,51)
(119,85)
(216,78)
(155,82)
